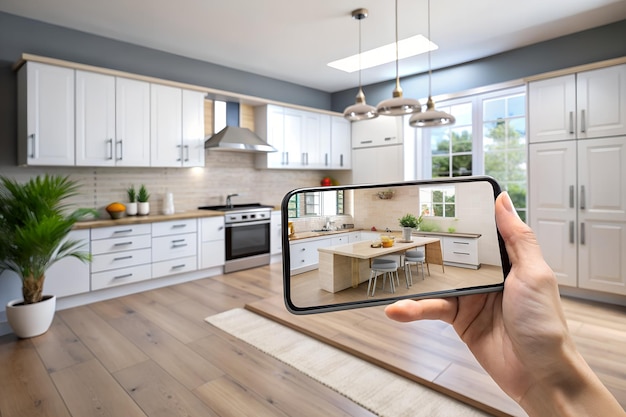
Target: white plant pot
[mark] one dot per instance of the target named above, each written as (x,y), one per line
(131,209)
(30,320)
(406,233)
(143,209)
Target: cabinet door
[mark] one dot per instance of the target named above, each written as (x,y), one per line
(95,119)
(293,125)
(602,179)
(276,245)
(165,126)
(341,145)
(552,109)
(311,144)
(276,137)
(552,205)
(601,100)
(193,128)
(377,132)
(46,129)
(381,164)
(602,265)
(132,123)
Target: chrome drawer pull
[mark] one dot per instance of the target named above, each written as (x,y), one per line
(178,226)
(179,266)
(179,245)
(123,231)
(123,243)
(460,253)
(461,243)
(121,258)
(123,276)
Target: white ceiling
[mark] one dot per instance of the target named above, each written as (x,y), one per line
(293,41)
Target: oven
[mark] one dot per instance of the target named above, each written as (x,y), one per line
(247,239)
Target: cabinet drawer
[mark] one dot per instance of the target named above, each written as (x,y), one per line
(120,231)
(107,261)
(174,266)
(340,240)
(174,227)
(122,276)
(175,246)
(460,250)
(120,244)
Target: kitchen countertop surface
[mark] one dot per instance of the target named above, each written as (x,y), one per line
(307,235)
(455,234)
(151,218)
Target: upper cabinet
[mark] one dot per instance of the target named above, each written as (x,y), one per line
(88,117)
(380,131)
(584,105)
(45,115)
(304,140)
(112,121)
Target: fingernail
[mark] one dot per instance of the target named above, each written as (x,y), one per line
(507,203)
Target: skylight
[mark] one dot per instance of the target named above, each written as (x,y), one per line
(408,47)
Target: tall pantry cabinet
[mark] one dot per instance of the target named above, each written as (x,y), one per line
(577,176)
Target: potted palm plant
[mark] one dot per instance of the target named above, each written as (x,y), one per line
(34,224)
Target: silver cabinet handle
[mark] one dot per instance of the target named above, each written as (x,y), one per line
(582,233)
(582,197)
(122,258)
(123,231)
(31,140)
(571,196)
(122,244)
(121,147)
(186,153)
(571,123)
(571,232)
(179,266)
(110,146)
(388,138)
(123,276)
(178,226)
(583,127)
(302,159)
(180,153)
(341,160)
(366,141)
(286,158)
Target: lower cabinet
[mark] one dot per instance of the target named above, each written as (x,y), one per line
(304,255)
(460,251)
(121,255)
(174,247)
(212,242)
(276,244)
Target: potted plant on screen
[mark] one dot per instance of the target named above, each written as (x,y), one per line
(409,222)
(143,206)
(34,224)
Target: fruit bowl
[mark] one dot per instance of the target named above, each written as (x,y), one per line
(116,210)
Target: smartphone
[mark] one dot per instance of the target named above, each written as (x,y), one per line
(335,239)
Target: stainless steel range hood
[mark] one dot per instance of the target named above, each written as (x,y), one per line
(235,138)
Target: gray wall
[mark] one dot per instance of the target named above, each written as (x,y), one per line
(585,47)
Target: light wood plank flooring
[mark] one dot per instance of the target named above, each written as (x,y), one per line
(152,354)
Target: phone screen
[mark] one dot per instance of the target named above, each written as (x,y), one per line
(363,245)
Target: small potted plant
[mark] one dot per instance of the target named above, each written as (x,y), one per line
(408,223)
(143,206)
(34,224)
(131,207)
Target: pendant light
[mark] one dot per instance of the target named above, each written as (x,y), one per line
(431,117)
(398,105)
(360,110)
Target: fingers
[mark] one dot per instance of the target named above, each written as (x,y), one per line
(431,309)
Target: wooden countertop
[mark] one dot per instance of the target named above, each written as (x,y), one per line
(364,250)
(151,218)
(308,235)
(455,234)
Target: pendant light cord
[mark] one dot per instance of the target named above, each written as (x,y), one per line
(397,54)
(430,68)
(360,57)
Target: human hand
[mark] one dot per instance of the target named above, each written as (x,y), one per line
(519,335)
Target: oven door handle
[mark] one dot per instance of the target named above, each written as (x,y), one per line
(242,224)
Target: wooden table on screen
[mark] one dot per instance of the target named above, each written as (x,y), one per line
(344,266)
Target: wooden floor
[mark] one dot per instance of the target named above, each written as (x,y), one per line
(152,354)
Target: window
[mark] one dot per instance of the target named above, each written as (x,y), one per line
(488,138)
(319,203)
(437,201)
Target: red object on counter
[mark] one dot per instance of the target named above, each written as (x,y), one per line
(326,182)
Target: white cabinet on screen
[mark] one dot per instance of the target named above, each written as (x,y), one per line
(303,254)
(45,115)
(120,255)
(577,202)
(583,105)
(69,276)
(174,247)
(212,242)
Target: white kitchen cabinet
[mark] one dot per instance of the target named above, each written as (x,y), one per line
(583,105)
(341,143)
(165,126)
(95,119)
(577,205)
(380,131)
(460,251)
(120,255)
(193,129)
(354,237)
(276,242)
(303,254)
(340,239)
(174,247)
(45,115)
(379,164)
(212,242)
(69,276)
(132,123)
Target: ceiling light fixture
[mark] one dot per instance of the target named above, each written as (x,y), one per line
(398,105)
(360,110)
(431,117)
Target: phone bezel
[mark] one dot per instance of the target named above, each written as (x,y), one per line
(506,266)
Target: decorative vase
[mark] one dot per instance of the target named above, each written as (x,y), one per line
(131,209)
(406,233)
(30,320)
(143,208)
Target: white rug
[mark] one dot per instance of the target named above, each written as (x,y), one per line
(378,390)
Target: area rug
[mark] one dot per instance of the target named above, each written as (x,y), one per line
(378,390)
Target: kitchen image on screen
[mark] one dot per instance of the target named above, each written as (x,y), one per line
(349,245)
